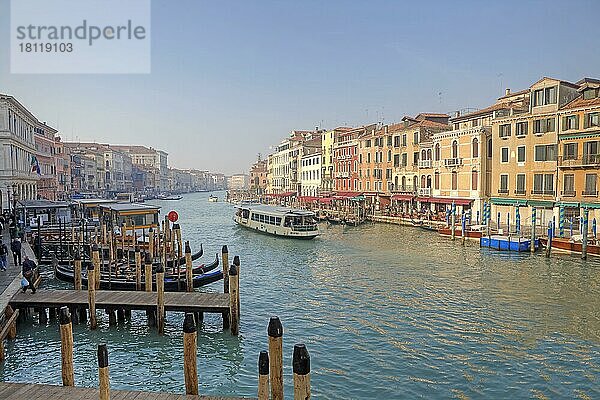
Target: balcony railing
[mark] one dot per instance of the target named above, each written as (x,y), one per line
(571,161)
(424,191)
(544,192)
(503,191)
(568,193)
(452,162)
(590,193)
(520,192)
(424,163)
(404,189)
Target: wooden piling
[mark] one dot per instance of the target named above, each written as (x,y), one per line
(42,316)
(301,367)
(151,242)
(120,315)
(453,221)
(66,347)
(112,317)
(190,355)
(160,298)
(91,275)
(148,274)
(533,223)
(584,241)
(138,269)
(275,332)
(77,272)
(263,376)
(225,261)
(12,330)
(103,377)
(234,315)
(549,242)
(96,261)
(236,262)
(188,267)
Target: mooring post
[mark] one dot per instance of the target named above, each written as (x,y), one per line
(190,354)
(103,226)
(151,242)
(188,267)
(549,242)
(301,367)
(236,262)
(233,299)
(96,261)
(584,241)
(263,376)
(66,347)
(453,221)
(225,261)
(275,332)
(533,222)
(463,223)
(12,330)
(148,273)
(138,269)
(77,271)
(103,377)
(91,276)
(160,298)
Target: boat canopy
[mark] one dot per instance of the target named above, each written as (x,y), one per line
(275,210)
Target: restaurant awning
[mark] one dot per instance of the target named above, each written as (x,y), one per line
(308,199)
(402,197)
(540,203)
(445,200)
(325,200)
(568,204)
(345,195)
(285,194)
(503,201)
(590,205)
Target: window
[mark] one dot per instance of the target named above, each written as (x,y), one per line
(360,158)
(589,94)
(388,173)
(570,151)
(404,159)
(475,122)
(475,151)
(543,125)
(415,137)
(436,180)
(521,128)
(474,180)
(590,185)
(396,141)
(389,141)
(436,152)
(389,157)
(404,140)
(545,152)
(503,184)
(415,158)
(454,149)
(545,96)
(368,157)
(504,130)
(570,122)
(489,148)
(504,154)
(538,97)
(543,184)
(521,154)
(454,180)
(520,184)
(568,185)
(368,143)
(396,160)
(592,119)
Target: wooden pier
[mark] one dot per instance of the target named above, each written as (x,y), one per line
(19,391)
(128,300)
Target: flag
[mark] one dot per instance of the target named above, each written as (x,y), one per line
(35,165)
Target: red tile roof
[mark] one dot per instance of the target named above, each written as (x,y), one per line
(580,102)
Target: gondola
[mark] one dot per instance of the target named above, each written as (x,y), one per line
(203,276)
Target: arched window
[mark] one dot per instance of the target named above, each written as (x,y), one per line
(429,154)
(423,181)
(474,180)
(396,182)
(437,180)
(423,155)
(475,148)
(437,152)
(415,182)
(454,149)
(454,180)
(489,148)
(403,183)
(429,181)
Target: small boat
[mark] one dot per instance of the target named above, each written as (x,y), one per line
(213,199)
(203,275)
(499,242)
(334,220)
(473,231)
(171,197)
(278,221)
(572,245)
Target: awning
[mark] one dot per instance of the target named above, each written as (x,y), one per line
(345,195)
(406,197)
(568,204)
(590,205)
(540,203)
(502,201)
(325,200)
(358,198)
(286,194)
(445,200)
(307,199)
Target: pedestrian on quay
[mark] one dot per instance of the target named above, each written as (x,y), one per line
(15,246)
(3,253)
(28,268)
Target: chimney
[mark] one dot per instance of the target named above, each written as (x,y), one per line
(386,129)
(507,92)
(457,114)
(316,129)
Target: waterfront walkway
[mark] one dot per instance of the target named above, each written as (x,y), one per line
(10,280)
(19,391)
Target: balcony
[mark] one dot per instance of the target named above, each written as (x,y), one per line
(503,191)
(404,189)
(424,163)
(572,161)
(568,193)
(520,192)
(543,192)
(342,175)
(589,193)
(452,162)
(425,192)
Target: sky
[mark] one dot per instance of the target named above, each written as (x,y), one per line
(230,79)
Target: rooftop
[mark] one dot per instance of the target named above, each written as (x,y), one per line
(118,207)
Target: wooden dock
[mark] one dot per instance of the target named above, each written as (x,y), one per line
(19,391)
(128,300)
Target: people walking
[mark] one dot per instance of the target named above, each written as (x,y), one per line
(15,246)
(3,253)
(29,267)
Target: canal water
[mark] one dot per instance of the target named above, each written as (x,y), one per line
(386,312)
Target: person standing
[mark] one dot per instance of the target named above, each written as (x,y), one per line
(28,272)
(3,253)
(15,246)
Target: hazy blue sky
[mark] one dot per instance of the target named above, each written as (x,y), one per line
(230,79)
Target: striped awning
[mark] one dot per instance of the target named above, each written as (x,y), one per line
(504,201)
(590,205)
(541,203)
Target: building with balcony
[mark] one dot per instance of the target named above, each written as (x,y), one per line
(310,169)
(524,154)
(45,144)
(258,177)
(328,140)
(345,158)
(578,126)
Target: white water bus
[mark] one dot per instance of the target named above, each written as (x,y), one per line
(278,221)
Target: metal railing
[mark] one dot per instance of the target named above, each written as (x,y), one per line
(424,163)
(424,191)
(589,193)
(543,192)
(568,193)
(304,228)
(452,162)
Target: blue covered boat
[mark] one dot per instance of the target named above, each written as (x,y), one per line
(508,243)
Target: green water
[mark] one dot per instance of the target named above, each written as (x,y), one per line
(386,312)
